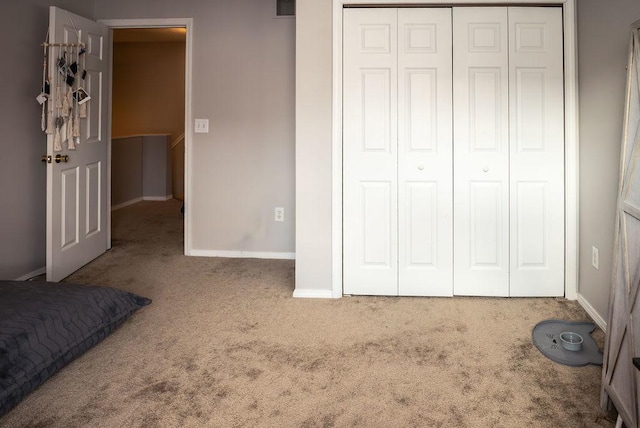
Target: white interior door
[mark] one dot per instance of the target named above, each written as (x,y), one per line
(481,151)
(425,168)
(370,152)
(77,184)
(536,128)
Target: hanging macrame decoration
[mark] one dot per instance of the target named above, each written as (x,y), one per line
(70,143)
(76,125)
(43,97)
(61,118)
(76,116)
(81,95)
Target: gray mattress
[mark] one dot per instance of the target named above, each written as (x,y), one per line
(43,326)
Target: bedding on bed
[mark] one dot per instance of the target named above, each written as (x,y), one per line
(45,325)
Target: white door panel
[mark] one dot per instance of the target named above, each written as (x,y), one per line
(76,189)
(370,152)
(481,151)
(537,151)
(425,191)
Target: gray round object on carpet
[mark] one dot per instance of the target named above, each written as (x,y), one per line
(546,337)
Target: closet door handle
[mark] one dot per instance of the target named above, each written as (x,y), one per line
(420,167)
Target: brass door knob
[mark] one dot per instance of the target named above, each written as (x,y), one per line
(61,158)
(45,158)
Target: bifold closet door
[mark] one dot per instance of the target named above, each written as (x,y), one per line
(397,156)
(508,152)
(370,152)
(536,128)
(481,151)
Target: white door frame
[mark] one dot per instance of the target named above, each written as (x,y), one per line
(571,129)
(188,128)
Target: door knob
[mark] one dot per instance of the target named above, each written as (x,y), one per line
(61,158)
(420,167)
(45,158)
(485,169)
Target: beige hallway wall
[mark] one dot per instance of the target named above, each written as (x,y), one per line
(148,88)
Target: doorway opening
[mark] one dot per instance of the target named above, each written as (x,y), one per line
(150,115)
(148,110)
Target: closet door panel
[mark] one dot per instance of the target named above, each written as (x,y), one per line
(536,89)
(370,152)
(425,190)
(481,151)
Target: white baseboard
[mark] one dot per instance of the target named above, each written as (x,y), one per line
(312,294)
(143,198)
(243,254)
(157,198)
(595,316)
(33,274)
(126,204)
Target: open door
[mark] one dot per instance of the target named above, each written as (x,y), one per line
(621,370)
(77,204)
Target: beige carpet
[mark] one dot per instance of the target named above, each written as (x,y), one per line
(225,345)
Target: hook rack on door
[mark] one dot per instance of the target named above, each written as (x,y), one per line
(64,45)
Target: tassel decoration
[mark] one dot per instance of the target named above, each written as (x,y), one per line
(57,144)
(76,125)
(70,100)
(65,105)
(57,139)
(83,110)
(70,129)
(58,96)
(70,143)
(43,117)
(50,129)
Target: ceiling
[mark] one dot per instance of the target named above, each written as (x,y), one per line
(143,35)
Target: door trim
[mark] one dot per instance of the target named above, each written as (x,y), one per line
(570,115)
(188,125)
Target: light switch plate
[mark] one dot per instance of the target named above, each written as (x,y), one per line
(202,126)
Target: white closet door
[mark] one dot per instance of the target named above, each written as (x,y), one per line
(370,216)
(425,190)
(536,100)
(481,151)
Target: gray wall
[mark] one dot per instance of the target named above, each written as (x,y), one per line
(140,169)
(23,177)
(148,88)
(313,144)
(603,40)
(156,166)
(243,82)
(126,170)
